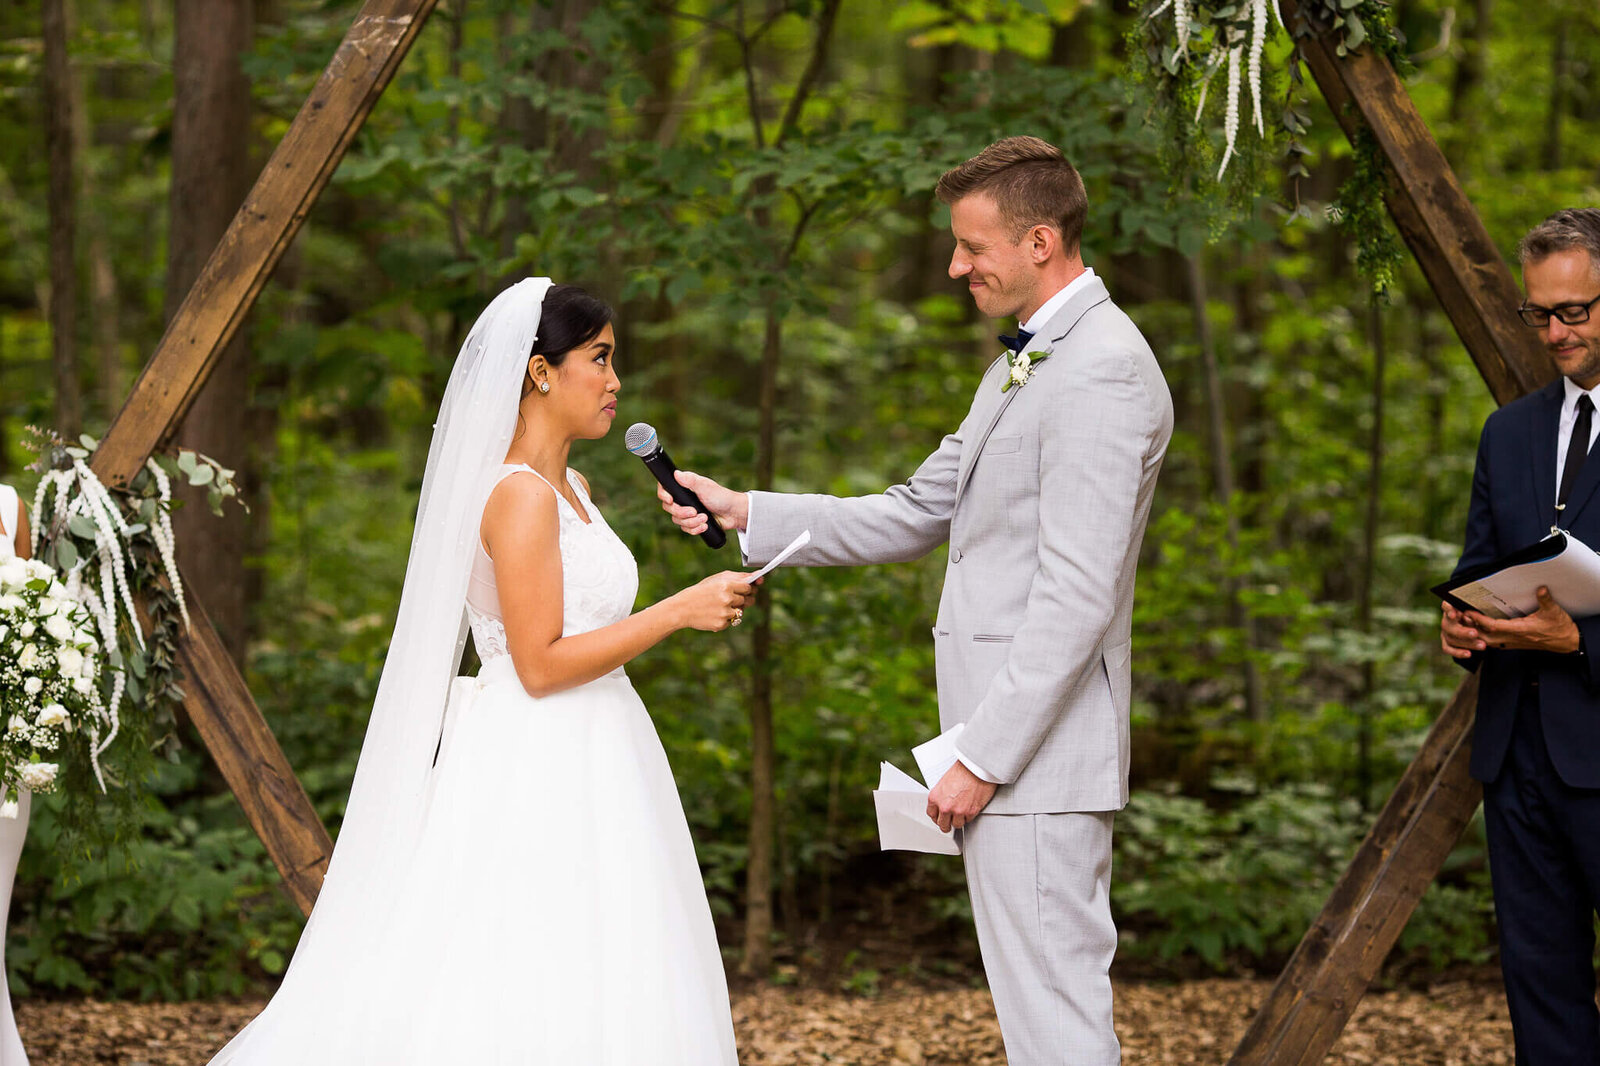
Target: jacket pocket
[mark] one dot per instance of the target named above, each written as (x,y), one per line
(1003,445)
(991,638)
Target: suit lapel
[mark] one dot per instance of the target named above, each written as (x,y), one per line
(1054,332)
(1546,424)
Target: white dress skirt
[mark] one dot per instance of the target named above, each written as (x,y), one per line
(13,831)
(554,913)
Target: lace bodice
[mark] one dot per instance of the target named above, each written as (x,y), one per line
(599,579)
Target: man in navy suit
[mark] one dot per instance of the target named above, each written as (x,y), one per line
(1536,746)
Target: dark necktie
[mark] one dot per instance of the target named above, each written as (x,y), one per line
(1577,451)
(1017,343)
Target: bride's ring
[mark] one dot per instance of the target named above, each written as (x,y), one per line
(738,616)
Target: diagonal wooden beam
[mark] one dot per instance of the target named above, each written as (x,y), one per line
(1342,952)
(216,697)
(260,233)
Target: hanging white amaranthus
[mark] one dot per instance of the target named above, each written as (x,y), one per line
(1233,42)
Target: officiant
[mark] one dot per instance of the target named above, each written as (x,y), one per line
(1536,745)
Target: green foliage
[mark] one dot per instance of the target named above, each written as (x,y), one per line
(1239,882)
(623,152)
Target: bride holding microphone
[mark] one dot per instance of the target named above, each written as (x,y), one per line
(514,881)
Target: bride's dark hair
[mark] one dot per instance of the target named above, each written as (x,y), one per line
(570,318)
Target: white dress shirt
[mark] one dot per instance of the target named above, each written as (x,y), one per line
(1569,415)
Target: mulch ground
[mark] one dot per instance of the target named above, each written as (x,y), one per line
(1160,1025)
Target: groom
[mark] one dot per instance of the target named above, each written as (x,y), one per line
(1042,493)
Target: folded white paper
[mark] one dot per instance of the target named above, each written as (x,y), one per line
(1508,587)
(902,802)
(794,545)
(935,757)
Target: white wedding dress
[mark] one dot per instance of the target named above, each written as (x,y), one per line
(553,912)
(13,831)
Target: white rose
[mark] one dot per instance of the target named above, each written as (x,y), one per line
(1019,374)
(83,685)
(59,628)
(5,631)
(38,775)
(26,629)
(13,573)
(37,569)
(18,724)
(10,602)
(71,661)
(48,605)
(32,686)
(29,657)
(54,714)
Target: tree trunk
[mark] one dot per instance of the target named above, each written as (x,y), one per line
(763,758)
(1369,551)
(211,173)
(1560,64)
(1222,480)
(59,108)
(1465,114)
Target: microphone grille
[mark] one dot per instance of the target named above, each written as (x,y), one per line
(640,438)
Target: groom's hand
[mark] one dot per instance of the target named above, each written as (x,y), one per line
(958,797)
(730,509)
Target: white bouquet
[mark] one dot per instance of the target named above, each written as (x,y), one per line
(49,677)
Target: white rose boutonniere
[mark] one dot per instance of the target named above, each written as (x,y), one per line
(1022,366)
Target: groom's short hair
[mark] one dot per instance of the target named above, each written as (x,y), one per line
(1576,227)
(1031,182)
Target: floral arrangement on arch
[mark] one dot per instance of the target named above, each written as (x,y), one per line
(1187,43)
(108,554)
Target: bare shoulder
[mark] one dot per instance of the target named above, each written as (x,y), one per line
(520,505)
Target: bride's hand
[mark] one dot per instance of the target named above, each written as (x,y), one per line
(730,509)
(717,603)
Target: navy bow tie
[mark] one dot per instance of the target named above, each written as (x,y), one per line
(1017,343)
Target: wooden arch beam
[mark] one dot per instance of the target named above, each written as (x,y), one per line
(1345,947)
(215,695)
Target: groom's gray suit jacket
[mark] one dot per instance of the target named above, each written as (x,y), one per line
(1042,493)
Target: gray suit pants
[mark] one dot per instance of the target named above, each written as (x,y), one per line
(1041,898)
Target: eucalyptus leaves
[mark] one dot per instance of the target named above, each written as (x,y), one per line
(1231,33)
(1209,36)
(113,552)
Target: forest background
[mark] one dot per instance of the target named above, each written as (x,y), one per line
(750,185)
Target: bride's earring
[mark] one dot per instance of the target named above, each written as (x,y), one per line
(544,386)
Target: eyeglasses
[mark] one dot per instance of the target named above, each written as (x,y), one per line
(1569,314)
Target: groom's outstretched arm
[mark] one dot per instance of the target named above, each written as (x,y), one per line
(1102,437)
(904,522)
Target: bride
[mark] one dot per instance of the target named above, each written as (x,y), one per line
(514,880)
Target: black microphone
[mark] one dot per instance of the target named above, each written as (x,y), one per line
(641,441)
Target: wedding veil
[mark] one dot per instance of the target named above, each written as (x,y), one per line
(324,985)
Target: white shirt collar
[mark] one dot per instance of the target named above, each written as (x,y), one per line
(1048,309)
(1569,400)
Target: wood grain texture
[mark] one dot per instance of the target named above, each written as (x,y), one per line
(238,738)
(1436,798)
(1442,228)
(262,229)
(1345,947)
(216,697)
